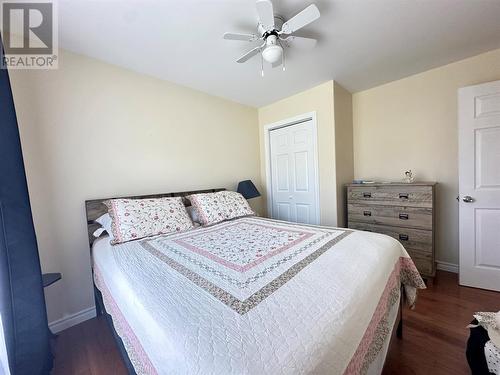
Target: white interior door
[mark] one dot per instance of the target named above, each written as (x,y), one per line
(293,173)
(479,185)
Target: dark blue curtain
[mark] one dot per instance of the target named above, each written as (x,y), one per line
(22,304)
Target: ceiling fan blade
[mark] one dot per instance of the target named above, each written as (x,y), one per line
(266,14)
(250,54)
(300,42)
(308,15)
(238,36)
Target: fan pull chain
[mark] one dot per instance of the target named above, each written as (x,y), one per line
(282,56)
(261,65)
(283,65)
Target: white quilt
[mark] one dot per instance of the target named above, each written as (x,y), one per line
(254,296)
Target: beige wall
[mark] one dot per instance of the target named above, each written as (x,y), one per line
(93,130)
(344,156)
(412,124)
(333,107)
(319,99)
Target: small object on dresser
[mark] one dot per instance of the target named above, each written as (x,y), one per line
(409,177)
(360,182)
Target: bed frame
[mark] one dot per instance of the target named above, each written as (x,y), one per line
(95,208)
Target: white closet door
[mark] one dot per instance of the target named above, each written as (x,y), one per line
(293,173)
(479,185)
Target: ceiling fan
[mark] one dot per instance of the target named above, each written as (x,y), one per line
(276,34)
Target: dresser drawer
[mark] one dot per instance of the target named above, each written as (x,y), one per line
(402,195)
(417,239)
(423,261)
(401,216)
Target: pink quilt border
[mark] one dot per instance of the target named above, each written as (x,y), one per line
(136,352)
(355,366)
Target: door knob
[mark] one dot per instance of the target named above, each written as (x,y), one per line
(468,199)
(290,197)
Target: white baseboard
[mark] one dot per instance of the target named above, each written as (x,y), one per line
(72,320)
(445,266)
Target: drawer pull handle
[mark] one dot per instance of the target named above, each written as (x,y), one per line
(367,213)
(403,237)
(403,195)
(403,216)
(367,195)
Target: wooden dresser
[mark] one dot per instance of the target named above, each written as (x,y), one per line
(400,210)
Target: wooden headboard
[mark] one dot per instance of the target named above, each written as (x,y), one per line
(95,207)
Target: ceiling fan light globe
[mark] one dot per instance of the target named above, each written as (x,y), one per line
(272,53)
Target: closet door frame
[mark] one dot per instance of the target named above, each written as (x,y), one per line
(309,116)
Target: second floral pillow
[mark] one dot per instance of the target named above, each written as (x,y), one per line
(213,208)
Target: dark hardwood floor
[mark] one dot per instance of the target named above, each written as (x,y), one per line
(434,335)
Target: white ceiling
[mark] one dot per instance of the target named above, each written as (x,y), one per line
(362,43)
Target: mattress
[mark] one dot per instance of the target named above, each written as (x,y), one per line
(255,296)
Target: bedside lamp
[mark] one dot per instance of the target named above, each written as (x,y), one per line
(248,189)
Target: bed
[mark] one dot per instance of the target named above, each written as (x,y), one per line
(253,296)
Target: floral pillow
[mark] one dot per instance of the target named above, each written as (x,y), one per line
(236,204)
(216,207)
(138,218)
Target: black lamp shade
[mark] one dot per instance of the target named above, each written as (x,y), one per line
(248,189)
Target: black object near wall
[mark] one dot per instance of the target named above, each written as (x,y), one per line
(248,189)
(22,303)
